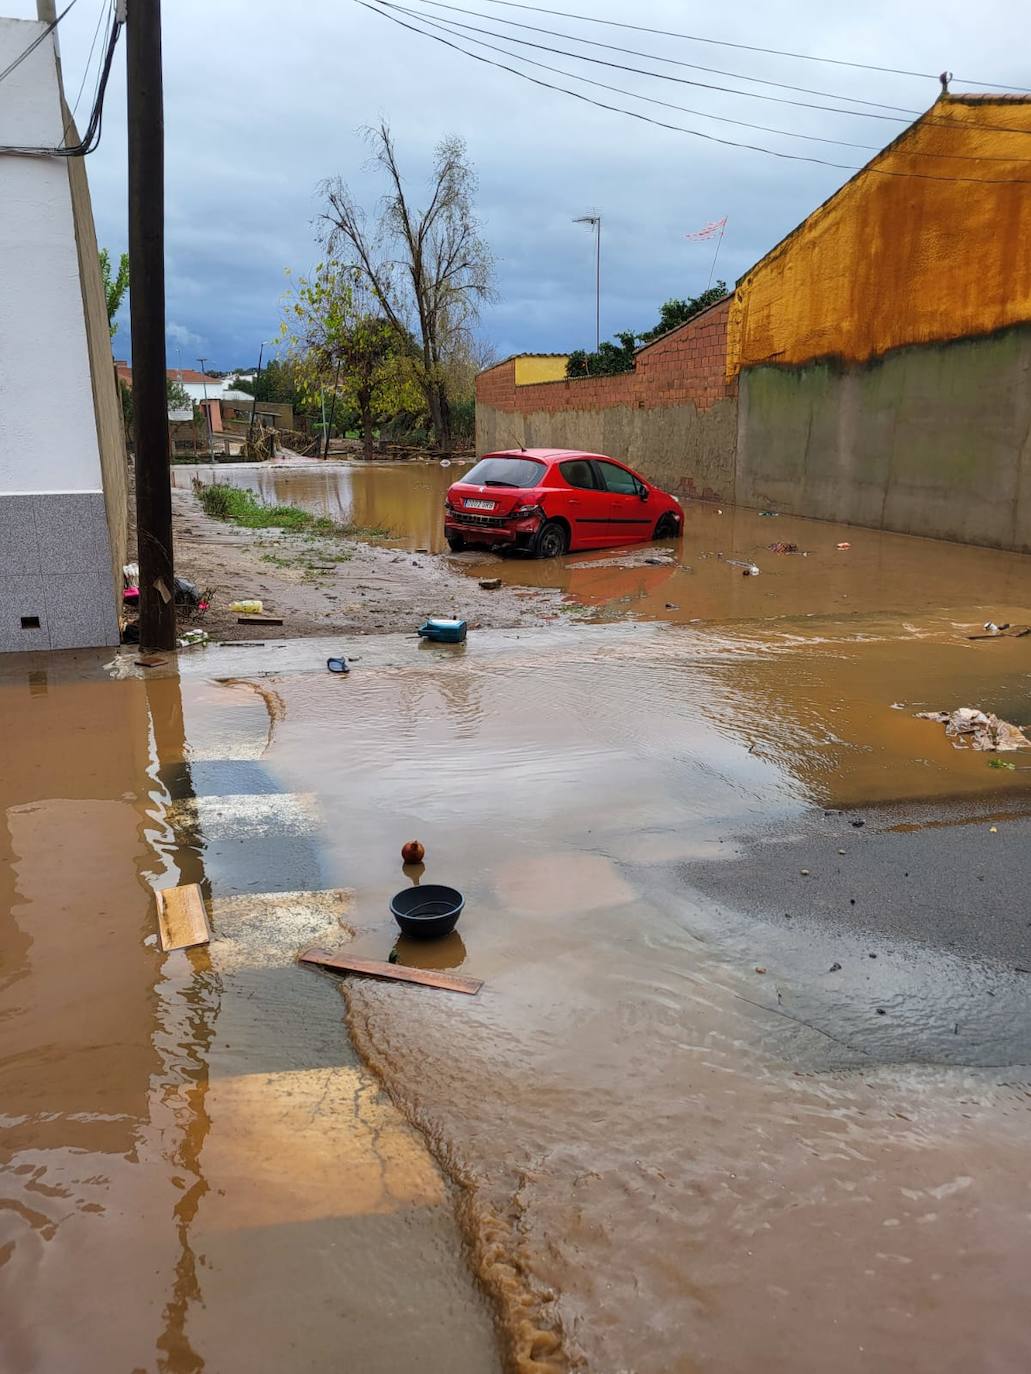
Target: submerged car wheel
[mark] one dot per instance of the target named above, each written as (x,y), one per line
(668,527)
(552,540)
(455,543)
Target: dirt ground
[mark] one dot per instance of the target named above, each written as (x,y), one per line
(320,585)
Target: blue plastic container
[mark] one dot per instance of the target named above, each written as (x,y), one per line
(444,631)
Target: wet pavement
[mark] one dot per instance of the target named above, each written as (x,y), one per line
(668,1135)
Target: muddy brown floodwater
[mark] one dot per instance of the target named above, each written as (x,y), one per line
(678,1131)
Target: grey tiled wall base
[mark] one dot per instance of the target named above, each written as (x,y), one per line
(55,572)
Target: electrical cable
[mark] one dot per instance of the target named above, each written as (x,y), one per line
(91,139)
(36,42)
(702,114)
(652,57)
(105,12)
(685,81)
(379,7)
(751,47)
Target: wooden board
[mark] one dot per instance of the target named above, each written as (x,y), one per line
(182,920)
(430,978)
(259,620)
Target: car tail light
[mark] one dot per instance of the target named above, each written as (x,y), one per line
(521,512)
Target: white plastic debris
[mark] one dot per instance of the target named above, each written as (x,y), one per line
(982,729)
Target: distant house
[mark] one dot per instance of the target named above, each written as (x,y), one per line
(193,383)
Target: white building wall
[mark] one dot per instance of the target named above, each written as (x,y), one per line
(54,546)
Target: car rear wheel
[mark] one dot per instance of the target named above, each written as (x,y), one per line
(552,540)
(455,543)
(668,527)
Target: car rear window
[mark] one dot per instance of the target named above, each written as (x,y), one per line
(506,472)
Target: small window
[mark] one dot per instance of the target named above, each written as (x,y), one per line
(578,473)
(619,480)
(30,622)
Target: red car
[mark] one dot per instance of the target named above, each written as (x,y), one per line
(548,501)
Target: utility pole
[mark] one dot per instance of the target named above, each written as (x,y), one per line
(332,406)
(257,379)
(595,220)
(207,414)
(147,317)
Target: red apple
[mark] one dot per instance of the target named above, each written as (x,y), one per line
(413,852)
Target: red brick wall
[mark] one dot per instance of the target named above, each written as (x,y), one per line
(686,365)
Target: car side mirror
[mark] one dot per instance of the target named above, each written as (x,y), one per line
(643,493)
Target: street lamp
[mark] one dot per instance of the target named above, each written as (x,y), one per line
(257,378)
(595,221)
(207,413)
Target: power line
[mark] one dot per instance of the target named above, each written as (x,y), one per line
(378,7)
(751,47)
(91,139)
(105,12)
(36,42)
(652,57)
(702,114)
(703,85)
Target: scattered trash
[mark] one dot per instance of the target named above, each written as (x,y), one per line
(804,872)
(992,763)
(430,978)
(490,584)
(672,606)
(781,547)
(131,594)
(834,968)
(250,607)
(749,569)
(844,544)
(190,638)
(186,594)
(719,512)
(881,1011)
(152,661)
(898,705)
(759,969)
(770,513)
(858,825)
(993,830)
(182,919)
(841,851)
(445,462)
(985,730)
(994,629)
(413,852)
(259,619)
(338,665)
(443,631)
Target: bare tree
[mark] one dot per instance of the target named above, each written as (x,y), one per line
(429,269)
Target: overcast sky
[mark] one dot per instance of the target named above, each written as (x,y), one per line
(263,100)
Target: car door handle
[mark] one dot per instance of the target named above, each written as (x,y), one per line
(573,501)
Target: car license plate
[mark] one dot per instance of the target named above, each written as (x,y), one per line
(479,505)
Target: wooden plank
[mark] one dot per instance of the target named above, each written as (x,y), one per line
(259,620)
(182,919)
(430,978)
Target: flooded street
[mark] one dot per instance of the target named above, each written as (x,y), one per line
(747,1083)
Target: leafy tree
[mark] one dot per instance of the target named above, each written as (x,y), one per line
(114,288)
(176,393)
(609,359)
(428,269)
(676,312)
(339,341)
(619,357)
(178,396)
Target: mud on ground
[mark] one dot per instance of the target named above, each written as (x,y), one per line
(322,584)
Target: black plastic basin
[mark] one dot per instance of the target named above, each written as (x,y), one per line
(427,911)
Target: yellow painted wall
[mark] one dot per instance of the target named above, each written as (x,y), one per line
(543,367)
(902,259)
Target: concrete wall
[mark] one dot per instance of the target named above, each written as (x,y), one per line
(55,550)
(932,440)
(674,418)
